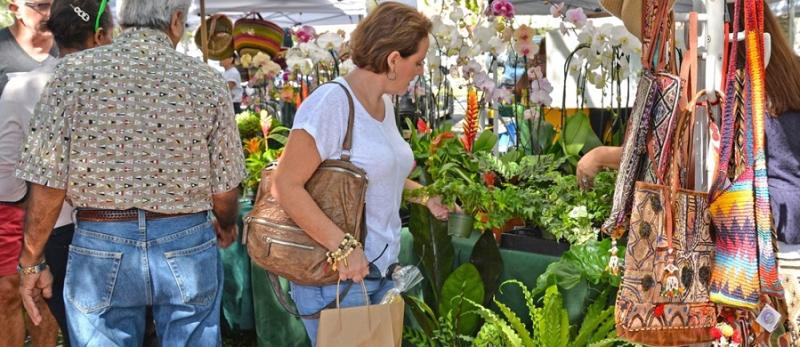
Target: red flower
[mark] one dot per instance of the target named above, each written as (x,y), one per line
(422,127)
(716,333)
(437,141)
(737,337)
(489,178)
(659,310)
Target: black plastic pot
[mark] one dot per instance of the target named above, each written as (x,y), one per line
(529,239)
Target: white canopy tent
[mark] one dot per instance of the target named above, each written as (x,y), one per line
(291,13)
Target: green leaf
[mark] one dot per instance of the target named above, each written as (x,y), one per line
(552,324)
(578,134)
(485,142)
(435,249)
(597,315)
(516,323)
(486,258)
(508,333)
(422,314)
(464,283)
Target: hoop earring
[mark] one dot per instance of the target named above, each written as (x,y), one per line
(391,75)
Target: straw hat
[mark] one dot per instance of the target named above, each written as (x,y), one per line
(629,11)
(220,37)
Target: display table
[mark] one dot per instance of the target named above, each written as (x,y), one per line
(248,301)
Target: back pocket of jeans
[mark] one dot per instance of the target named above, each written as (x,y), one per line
(195,272)
(90,278)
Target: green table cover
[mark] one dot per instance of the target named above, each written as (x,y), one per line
(248,300)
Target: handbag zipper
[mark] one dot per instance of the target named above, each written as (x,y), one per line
(338,169)
(263,221)
(268,240)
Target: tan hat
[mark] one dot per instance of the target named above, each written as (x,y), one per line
(629,11)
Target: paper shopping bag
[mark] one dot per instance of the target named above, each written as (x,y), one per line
(362,326)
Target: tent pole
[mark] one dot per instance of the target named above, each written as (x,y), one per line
(203,32)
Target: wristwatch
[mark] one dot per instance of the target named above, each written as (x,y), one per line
(33,269)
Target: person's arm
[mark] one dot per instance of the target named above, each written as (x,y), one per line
(46,202)
(44,163)
(599,158)
(226,211)
(433,203)
(227,169)
(299,162)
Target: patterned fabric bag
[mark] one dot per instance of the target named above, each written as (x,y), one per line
(745,264)
(664,296)
(653,115)
(664,299)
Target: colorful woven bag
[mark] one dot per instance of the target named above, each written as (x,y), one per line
(745,264)
(253,34)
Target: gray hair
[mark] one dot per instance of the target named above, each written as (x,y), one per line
(155,14)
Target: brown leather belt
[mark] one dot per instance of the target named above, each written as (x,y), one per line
(120,215)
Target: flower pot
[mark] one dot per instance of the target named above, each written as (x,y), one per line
(508,226)
(460,224)
(529,239)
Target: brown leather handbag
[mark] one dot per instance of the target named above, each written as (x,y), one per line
(278,245)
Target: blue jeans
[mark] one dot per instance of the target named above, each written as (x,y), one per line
(116,269)
(310,300)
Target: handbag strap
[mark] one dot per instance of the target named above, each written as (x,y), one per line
(656,21)
(689,65)
(347,145)
(728,114)
(767,263)
(280,294)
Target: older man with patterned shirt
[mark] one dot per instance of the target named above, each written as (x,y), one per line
(142,141)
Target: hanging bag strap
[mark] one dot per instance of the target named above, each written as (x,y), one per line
(728,115)
(767,266)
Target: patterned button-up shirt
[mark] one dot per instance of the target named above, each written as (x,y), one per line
(135,124)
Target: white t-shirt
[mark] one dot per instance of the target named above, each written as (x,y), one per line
(16,109)
(378,148)
(232,75)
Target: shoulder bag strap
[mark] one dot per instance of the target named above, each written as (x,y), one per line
(347,145)
(280,294)
(728,115)
(767,263)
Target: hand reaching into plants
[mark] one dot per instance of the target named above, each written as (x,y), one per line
(603,157)
(437,208)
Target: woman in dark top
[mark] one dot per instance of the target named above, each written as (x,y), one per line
(783,162)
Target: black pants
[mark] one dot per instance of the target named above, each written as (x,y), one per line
(237,107)
(56,251)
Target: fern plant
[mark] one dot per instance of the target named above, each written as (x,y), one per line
(550,323)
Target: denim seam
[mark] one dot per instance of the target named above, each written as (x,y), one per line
(94,253)
(192,250)
(122,240)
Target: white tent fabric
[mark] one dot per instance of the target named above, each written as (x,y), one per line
(292,13)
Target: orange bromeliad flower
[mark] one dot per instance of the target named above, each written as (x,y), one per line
(253,145)
(437,141)
(470,120)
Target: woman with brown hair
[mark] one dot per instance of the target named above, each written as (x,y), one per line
(388,47)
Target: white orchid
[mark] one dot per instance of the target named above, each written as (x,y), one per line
(456,13)
(497,46)
(346,67)
(329,41)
